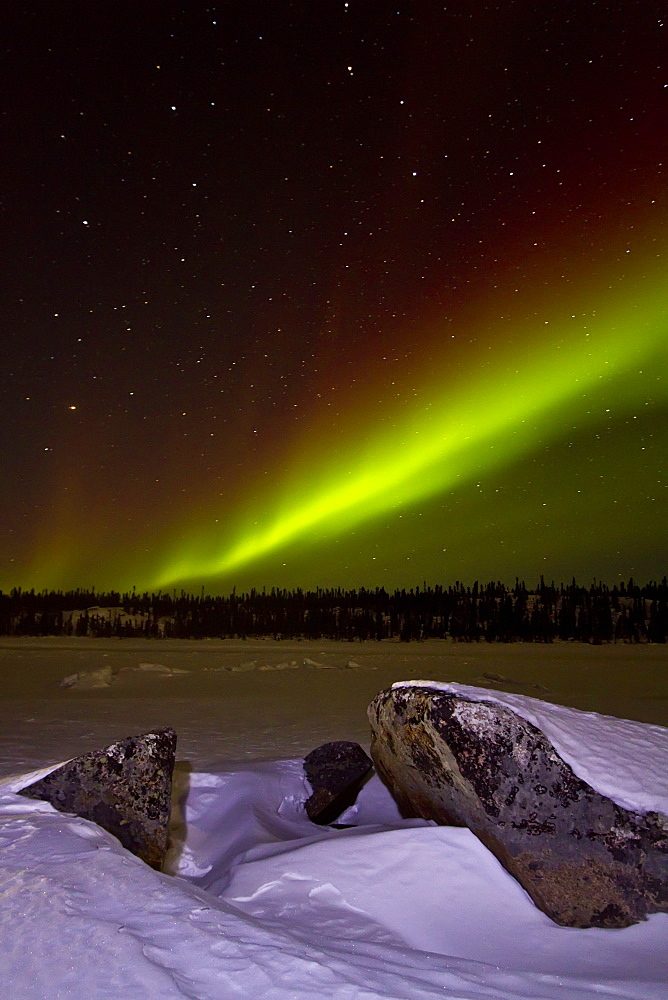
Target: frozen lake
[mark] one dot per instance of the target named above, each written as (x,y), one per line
(259,699)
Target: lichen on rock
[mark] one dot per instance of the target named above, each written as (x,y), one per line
(583,859)
(125,788)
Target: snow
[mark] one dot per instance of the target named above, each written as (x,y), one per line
(258,902)
(104,676)
(90,679)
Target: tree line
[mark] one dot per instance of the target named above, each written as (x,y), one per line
(491,612)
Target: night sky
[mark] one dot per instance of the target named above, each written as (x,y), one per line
(333,293)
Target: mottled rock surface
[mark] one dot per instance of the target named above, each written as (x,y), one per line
(583,859)
(125,788)
(336,772)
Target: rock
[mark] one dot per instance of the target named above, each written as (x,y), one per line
(125,788)
(336,772)
(584,860)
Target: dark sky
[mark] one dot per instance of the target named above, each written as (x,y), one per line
(313,294)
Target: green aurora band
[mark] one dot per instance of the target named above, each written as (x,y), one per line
(507,405)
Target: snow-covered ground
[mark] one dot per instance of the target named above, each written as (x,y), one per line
(258,902)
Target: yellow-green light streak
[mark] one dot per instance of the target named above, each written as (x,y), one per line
(456,429)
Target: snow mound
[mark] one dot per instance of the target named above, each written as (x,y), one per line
(243,667)
(104,677)
(159,668)
(89,680)
(153,668)
(266,666)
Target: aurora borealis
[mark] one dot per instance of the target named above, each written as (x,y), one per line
(352,295)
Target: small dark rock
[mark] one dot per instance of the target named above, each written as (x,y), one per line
(336,772)
(583,859)
(126,789)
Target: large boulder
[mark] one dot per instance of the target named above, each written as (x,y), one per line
(125,788)
(583,859)
(335,772)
